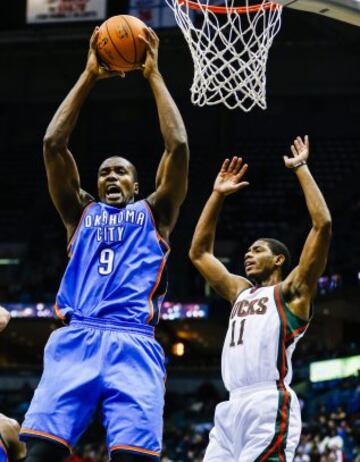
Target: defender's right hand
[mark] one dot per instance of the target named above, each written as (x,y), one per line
(4,318)
(93,66)
(229,178)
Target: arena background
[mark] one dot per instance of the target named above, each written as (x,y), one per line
(313,88)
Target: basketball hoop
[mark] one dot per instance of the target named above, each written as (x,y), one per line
(229,45)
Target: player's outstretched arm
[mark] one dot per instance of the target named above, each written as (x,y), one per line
(172,174)
(228,181)
(4,318)
(62,173)
(9,429)
(300,285)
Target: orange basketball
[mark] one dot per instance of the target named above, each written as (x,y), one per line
(119,46)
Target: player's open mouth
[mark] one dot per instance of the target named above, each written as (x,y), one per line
(249,265)
(113,192)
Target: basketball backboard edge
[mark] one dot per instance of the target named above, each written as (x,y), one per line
(343,10)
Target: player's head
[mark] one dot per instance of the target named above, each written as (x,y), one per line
(117,181)
(266,256)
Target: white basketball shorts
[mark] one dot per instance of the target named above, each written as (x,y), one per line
(259,423)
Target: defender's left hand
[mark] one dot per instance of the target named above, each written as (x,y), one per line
(229,179)
(151,41)
(300,151)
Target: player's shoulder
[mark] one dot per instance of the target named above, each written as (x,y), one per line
(248,289)
(242,285)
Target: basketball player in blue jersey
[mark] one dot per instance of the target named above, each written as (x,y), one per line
(271,311)
(11,449)
(112,288)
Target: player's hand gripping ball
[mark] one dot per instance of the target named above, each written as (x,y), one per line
(119,47)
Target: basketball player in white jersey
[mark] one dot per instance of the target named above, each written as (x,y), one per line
(271,311)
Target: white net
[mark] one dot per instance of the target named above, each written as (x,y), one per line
(229,49)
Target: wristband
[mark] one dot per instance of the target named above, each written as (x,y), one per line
(299,164)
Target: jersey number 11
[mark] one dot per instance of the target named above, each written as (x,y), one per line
(241,333)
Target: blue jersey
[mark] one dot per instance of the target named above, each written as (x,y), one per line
(3,451)
(117,266)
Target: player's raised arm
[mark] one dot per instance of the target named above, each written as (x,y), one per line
(62,173)
(300,284)
(228,181)
(172,175)
(4,318)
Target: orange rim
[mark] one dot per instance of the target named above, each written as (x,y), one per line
(225,10)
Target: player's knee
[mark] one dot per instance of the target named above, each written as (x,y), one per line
(126,457)
(45,451)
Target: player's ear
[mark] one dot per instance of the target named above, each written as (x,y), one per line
(136,188)
(279,260)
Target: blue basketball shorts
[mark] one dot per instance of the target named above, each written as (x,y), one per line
(95,363)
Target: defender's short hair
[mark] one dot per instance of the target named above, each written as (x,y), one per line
(279,248)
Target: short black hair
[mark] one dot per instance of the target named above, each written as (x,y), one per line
(134,172)
(132,166)
(279,248)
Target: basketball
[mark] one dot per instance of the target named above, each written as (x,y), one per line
(119,46)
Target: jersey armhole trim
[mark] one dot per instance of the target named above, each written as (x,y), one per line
(59,313)
(159,236)
(289,313)
(73,237)
(295,326)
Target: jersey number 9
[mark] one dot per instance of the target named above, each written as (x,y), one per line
(106,261)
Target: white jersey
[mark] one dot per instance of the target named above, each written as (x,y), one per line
(261,339)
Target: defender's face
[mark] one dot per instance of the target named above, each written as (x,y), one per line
(116,184)
(259,261)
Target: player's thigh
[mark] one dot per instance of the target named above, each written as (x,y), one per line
(133,400)
(264,424)
(221,437)
(68,392)
(294,428)
(39,450)
(125,457)
(216,451)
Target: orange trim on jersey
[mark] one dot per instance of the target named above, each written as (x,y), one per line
(153,290)
(26,431)
(77,229)
(2,444)
(135,449)
(162,265)
(59,313)
(159,236)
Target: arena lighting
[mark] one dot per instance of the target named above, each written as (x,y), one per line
(170,311)
(9,261)
(178,349)
(334,368)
